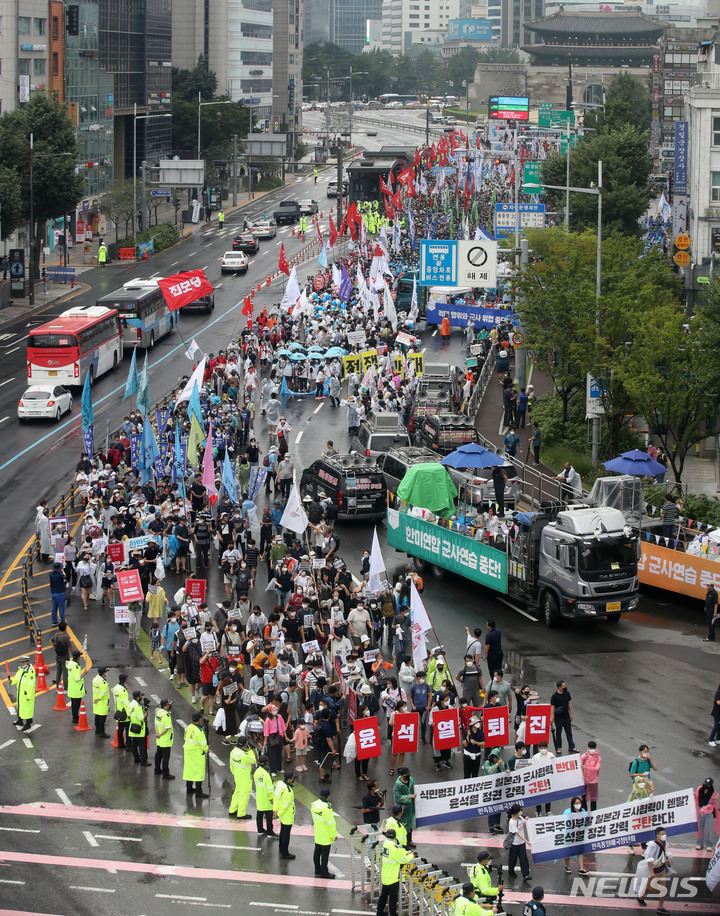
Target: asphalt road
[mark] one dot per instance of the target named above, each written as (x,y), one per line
(86,831)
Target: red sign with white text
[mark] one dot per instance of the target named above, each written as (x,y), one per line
(405,733)
(182,289)
(496,726)
(446,729)
(195,589)
(129,586)
(537,725)
(116,553)
(367,738)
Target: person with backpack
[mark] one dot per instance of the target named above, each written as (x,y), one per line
(642,764)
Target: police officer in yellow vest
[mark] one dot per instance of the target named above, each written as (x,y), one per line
(24,680)
(482,880)
(221,218)
(163,739)
(195,751)
(102,254)
(393,823)
(325,830)
(392,858)
(242,760)
(137,713)
(76,684)
(101,702)
(284,808)
(121,699)
(263,797)
(303,224)
(468,906)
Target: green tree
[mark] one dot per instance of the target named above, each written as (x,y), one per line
(500,55)
(218,124)
(626,168)
(706,324)
(627,103)
(11,208)
(461,66)
(117,205)
(56,187)
(663,375)
(187,83)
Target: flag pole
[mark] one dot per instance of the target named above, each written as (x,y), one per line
(187,345)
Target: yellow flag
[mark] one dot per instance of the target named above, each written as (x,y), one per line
(197,437)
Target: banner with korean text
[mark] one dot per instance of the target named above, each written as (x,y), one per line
(184,288)
(405,733)
(367,738)
(634,822)
(439,802)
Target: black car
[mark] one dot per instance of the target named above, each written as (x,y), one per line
(352,482)
(247,242)
(206,303)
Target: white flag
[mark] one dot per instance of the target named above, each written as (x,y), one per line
(192,349)
(389,307)
(419,625)
(195,379)
(378,581)
(712,876)
(337,276)
(414,301)
(294,516)
(292,291)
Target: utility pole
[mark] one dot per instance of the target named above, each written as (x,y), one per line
(143,200)
(32,229)
(520,354)
(339,184)
(234,198)
(427,124)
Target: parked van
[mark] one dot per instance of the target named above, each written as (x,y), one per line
(352,482)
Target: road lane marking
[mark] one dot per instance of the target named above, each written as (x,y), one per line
(123,839)
(27,742)
(140,681)
(10,881)
(99,890)
(41,763)
(4,419)
(180,897)
(19,830)
(318,408)
(279,906)
(298,437)
(36,725)
(214,757)
(7,744)
(63,798)
(7,381)
(229,846)
(90,838)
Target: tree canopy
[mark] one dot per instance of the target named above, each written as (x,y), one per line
(187,83)
(626,103)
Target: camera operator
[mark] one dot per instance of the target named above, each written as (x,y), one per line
(137,711)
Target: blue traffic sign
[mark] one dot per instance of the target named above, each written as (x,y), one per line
(438,263)
(160,192)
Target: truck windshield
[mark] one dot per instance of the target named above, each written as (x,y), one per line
(606,557)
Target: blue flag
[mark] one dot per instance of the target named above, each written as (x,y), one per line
(148,452)
(322,257)
(346,286)
(131,385)
(86,402)
(135,446)
(143,398)
(178,459)
(228,480)
(194,407)
(163,415)
(257,479)
(87,434)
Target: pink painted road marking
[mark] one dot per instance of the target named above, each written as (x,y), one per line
(170,871)
(157,819)
(23,913)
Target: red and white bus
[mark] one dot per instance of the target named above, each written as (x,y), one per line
(81,340)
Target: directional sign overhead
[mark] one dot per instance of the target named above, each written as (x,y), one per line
(477,264)
(160,192)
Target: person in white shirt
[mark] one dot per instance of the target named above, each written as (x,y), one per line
(543,756)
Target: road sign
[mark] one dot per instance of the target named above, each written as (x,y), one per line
(160,192)
(532,216)
(531,175)
(682,241)
(682,259)
(702,280)
(477,263)
(518,339)
(438,263)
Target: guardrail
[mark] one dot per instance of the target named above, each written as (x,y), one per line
(481,385)
(67,500)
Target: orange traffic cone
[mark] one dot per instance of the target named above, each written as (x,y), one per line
(40,666)
(60,703)
(268,280)
(114,742)
(293,231)
(252,291)
(82,725)
(41,683)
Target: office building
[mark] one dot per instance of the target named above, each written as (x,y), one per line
(408,22)
(25,53)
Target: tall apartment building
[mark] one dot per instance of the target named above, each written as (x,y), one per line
(31,50)
(408,22)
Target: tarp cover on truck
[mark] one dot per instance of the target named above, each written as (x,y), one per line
(429,487)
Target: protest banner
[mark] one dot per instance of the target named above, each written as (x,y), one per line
(446,729)
(557,837)
(496,726)
(195,589)
(367,738)
(440,802)
(405,733)
(116,553)
(712,875)
(129,585)
(122,613)
(537,725)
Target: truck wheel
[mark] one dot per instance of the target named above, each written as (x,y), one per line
(438,572)
(613,618)
(420,565)
(551,611)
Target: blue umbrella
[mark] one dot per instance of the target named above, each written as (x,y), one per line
(635,462)
(315,347)
(472,455)
(297,357)
(282,353)
(296,346)
(334,352)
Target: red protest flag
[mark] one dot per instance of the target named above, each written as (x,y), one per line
(367,738)
(319,231)
(333,232)
(537,725)
(405,732)
(384,189)
(247,308)
(283,265)
(343,227)
(181,289)
(496,726)
(446,729)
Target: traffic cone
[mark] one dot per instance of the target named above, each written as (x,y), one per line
(60,703)
(41,683)
(252,291)
(114,742)
(82,725)
(268,280)
(293,231)
(40,666)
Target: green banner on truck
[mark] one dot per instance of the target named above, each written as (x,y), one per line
(450,550)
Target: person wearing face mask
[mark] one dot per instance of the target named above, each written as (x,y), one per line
(543,756)
(706,797)
(576,807)
(591,761)
(643,763)
(655,865)
(482,880)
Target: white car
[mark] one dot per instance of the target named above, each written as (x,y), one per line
(262,228)
(48,402)
(233,261)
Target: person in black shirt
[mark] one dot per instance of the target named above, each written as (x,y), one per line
(561,717)
(493,649)
(372,802)
(253,453)
(197,496)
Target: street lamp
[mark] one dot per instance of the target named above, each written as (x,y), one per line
(466,84)
(136,118)
(201,104)
(598,192)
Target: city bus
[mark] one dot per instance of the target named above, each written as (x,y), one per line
(144,314)
(396,100)
(82,340)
